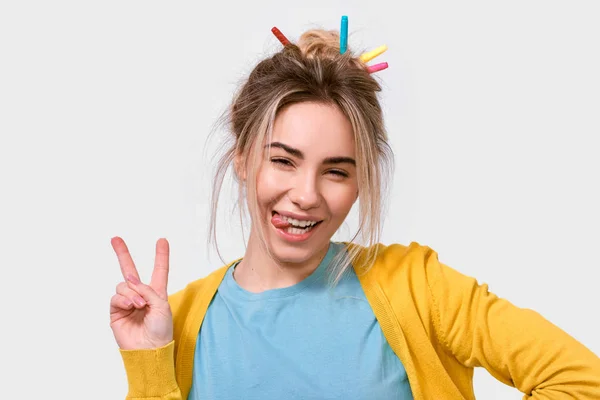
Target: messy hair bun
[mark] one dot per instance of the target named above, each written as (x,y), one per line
(322,44)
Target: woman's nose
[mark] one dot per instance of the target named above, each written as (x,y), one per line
(305,192)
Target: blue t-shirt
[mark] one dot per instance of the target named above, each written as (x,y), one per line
(306,341)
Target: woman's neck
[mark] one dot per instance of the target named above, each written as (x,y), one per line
(258,272)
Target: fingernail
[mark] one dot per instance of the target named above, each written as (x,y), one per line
(133,279)
(128,303)
(139,301)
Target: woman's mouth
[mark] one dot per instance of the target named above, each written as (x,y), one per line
(293,229)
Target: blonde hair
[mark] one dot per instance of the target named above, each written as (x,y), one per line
(311,70)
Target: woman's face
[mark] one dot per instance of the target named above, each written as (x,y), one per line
(307,184)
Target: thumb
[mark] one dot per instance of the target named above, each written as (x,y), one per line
(147,293)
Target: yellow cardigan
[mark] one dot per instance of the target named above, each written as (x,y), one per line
(440,323)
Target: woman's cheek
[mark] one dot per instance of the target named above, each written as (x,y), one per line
(274,180)
(341,197)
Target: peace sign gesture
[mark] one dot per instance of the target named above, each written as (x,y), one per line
(140,315)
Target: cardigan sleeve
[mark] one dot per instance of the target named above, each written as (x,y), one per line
(517,346)
(151,373)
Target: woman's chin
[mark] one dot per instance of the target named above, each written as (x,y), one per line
(287,254)
(295,253)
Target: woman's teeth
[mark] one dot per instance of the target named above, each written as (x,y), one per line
(298,231)
(297,226)
(299,223)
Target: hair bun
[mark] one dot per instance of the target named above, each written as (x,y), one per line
(318,43)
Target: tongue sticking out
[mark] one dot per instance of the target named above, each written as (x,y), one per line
(278,222)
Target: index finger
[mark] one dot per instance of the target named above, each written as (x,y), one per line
(125,260)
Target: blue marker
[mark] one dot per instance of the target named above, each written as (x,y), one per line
(344,35)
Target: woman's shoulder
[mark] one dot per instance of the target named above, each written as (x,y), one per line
(382,258)
(414,266)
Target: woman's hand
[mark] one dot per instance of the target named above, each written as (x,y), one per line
(140,315)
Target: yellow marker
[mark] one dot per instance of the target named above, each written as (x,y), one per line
(369,55)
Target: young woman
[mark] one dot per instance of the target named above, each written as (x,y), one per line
(302,317)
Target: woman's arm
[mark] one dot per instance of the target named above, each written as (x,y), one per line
(151,372)
(517,346)
(142,323)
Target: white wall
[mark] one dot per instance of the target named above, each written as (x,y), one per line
(493,110)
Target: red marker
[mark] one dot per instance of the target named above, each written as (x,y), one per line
(284,41)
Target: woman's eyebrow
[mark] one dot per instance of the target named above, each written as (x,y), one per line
(299,154)
(340,160)
(295,152)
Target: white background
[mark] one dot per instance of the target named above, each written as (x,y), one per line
(105,107)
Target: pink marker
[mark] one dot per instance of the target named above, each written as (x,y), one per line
(377,67)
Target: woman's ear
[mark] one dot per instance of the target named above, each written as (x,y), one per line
(239,166)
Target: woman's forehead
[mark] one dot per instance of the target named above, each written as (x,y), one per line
(314,127)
